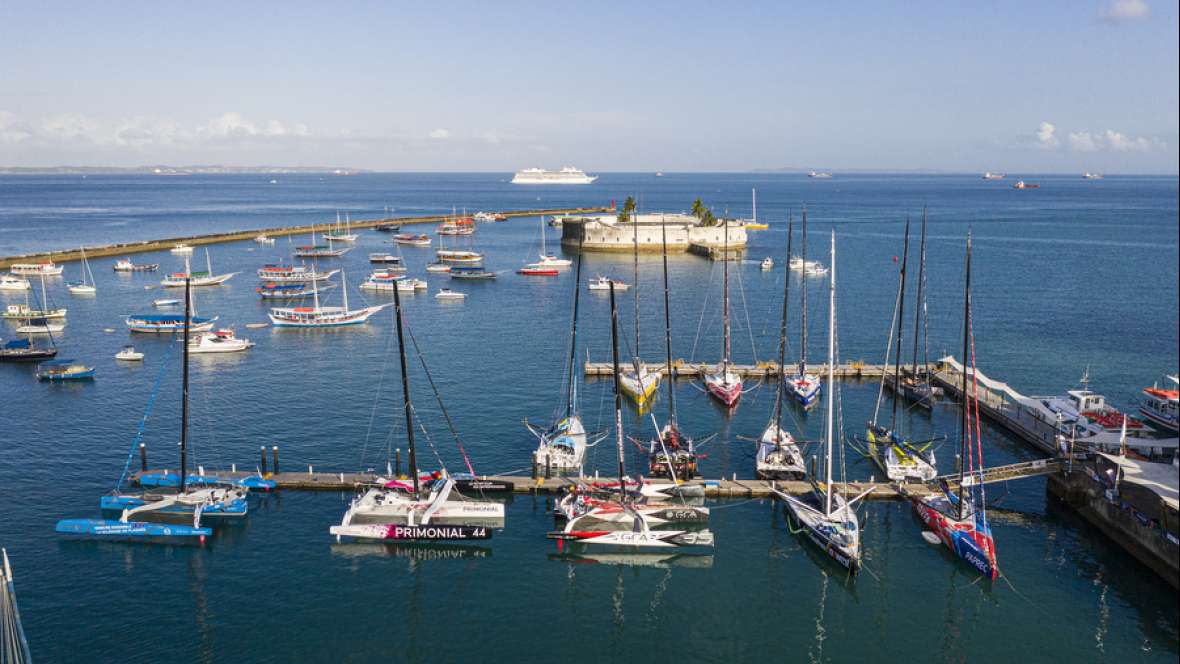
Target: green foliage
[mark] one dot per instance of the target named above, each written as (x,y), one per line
(628,209)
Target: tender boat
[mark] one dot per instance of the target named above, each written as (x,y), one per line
(603,284)
(129,354)
(219,341)
(47,269)
(538,270)
(125,265)
(767,263)
(62,370)
(448,294)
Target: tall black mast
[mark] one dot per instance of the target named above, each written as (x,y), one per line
(569,401)
(188,314)
(782,332)
(614,342)
(668,328)
(966,406)
(919,303)
(803,312)
(401,347)
(905,256)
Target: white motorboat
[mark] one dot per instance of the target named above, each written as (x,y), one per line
(264,239)
(129,354)
(218,341)
(40,326)
(450,295)
(438,267)
(10,282)
(125,265)
(603,284)
(161,303)
(181,250)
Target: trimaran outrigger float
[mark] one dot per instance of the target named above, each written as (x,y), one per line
(417,510)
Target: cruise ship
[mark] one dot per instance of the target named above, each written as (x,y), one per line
(567,175)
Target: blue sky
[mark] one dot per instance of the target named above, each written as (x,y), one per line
(1010,86)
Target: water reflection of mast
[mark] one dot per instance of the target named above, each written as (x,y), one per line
(816,651)
(198,576)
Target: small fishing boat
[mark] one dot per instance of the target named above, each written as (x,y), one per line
(808,268)
(604,283)
(538,270)
(181,250)
(218,341)
(125,265)
(165,302)
(447,294)
(1021,184)
(25,350)
(317,316)
(459,257)
(63,370)
(473,273)
(45,269)
(383,258)
(412,240)
(342,233)
(489,216)
(293,274)
(86,286)
(206,278)
(457,226)
(289,291)
(264,239)
(438,267)
(129,354)
(23,311)
(10,282)
(256,326)
(1160,406)
(767,264)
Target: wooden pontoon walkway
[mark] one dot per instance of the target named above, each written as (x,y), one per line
(126,249)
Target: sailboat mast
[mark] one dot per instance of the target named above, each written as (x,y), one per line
(44,298)
(614,342)
(919,302)
(571,396)
(635,257)
(725,296)
(803,312)
(668,326)
(831,397)
(401,348)
(754,203)
(208,263)
(905,255)
(964,416)
(188,316)
(344,288)
(544,253)
(782,332)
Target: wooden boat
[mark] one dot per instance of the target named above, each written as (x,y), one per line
(86,286)
(824,514)
(163,323)
(438,267)
(901,459)
(459,257)
(778,457)
(23,311)
(412,240)
(317,316)
(723,382)
(293,274)
(206,278)
(63,370)
(314,250)
(45,269)
(342,233)
(125,265)
(803,386)
(538,270)
(959,518)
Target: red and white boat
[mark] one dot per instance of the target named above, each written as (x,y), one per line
(459,256)
(538,270)
(412,240)
(1159,406)
(293,274)
(723,383)
(319,317)
(47,268)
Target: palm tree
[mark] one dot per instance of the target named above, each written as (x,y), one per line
(698,208)
(628,208)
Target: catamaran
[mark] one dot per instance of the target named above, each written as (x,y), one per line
(562,447)
(206,278)
(778,457)
(803,386)
(901,459)
(826,516)
(400,510)
(592,522)
(163,504)
(86,286)
(959,517)
(639,382)
(317,316)
(723,382)
(341,234)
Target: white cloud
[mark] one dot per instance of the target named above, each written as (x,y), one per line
(12,130)
(1120,142)
(1045,135)
(1084,141)
(440,134)
(69,126)
(1125,11)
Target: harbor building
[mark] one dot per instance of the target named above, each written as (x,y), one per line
(604,232)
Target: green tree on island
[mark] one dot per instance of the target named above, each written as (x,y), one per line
(628,209)
(698,208)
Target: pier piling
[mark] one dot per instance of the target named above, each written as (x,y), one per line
(262,460)
(143,456)
(274,458)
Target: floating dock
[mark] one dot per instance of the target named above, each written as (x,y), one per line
(128,248)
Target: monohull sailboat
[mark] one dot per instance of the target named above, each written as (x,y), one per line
(804,386)
(722,381)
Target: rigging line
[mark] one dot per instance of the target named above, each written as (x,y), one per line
(429,440)
(147,412)
(377,397)
(888,350)
(438,398)
(704,309)
(746,311)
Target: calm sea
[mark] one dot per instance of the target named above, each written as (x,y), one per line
(1073,277)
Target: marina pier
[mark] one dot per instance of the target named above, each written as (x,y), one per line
(767,369)
(128,248)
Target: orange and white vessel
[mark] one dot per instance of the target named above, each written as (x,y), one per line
(1160,406)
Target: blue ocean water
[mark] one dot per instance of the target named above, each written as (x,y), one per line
(1074,275)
